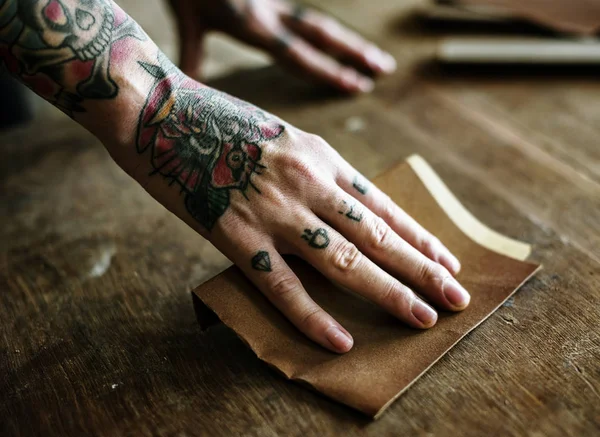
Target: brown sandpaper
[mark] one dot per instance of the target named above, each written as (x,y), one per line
(387,356)
(569,16)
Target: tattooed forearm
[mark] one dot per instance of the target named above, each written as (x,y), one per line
(205,141)
(318,239)
(348,211)
(360,185)
(62,49)
(261,261)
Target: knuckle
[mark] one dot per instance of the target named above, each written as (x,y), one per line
(388,207)
(398,297)
(283,288)
(379,232)
(328,26)
(239,217)
(300,169)
(389,293)
(275,197)
(256,27)
(310,317)
(429,245)
(432,274)
(347,258)
(317,139)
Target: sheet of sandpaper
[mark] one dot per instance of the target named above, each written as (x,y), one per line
(570,16)
(387,356)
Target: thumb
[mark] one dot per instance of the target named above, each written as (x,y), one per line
(191,42)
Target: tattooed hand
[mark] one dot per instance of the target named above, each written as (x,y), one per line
(258,188)
(302,39)
(253,185)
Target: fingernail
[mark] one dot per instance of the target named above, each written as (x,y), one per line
(451,263)
(379,60)
(365,85)
(356,82)
(338,339)
(388,63)
(426,315)
(456,294)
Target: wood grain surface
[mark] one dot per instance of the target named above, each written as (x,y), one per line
(97,329)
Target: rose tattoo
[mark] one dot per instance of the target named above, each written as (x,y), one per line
(206,141)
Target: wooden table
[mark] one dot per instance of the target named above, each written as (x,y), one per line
(97,330)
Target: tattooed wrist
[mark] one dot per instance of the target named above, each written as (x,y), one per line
(203,140)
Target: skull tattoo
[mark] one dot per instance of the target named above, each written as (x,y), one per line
(52,36)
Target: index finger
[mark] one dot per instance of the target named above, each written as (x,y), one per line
(319,65)
(329,34)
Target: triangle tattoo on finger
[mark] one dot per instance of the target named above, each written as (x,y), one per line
(261,261)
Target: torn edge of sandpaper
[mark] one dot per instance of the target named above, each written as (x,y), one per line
(471,227)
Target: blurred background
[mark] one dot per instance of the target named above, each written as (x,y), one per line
(97,329)
(223,55)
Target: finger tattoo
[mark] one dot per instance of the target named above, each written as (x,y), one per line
(283,40)
(348,211)
(360,185)
(299,13)
(317,239)
(261,261)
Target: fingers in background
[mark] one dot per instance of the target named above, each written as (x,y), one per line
(191,40)
(298,54)
(333,37)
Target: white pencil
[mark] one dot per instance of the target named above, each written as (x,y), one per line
(519,51)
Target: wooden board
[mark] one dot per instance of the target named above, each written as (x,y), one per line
(98,334)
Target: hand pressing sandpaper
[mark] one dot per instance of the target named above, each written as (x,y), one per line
(569,16)
(387,356)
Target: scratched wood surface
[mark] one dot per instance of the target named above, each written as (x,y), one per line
(97,330)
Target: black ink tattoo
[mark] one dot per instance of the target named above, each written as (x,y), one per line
(357,217)
(206,141)
(261,261)
(360,185)
(298,13)
(317,239)
(62,49)
(284,40)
